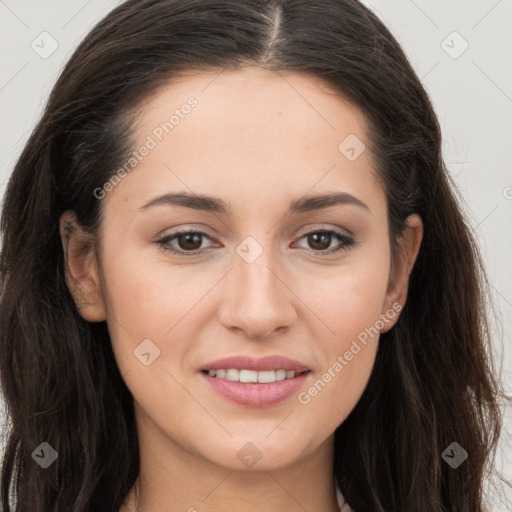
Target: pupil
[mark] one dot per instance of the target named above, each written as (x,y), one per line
(316,238)
(189,237)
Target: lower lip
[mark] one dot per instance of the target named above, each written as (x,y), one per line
(252,394)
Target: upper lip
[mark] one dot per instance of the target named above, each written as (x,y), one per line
(266,363)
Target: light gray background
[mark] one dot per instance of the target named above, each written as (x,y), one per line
(471,90)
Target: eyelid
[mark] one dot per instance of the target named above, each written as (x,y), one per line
(346,240)
(322,227)
(165,240)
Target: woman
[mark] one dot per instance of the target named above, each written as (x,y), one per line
(235,276)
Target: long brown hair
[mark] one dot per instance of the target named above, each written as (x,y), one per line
(433,382)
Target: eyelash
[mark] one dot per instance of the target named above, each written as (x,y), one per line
(346,242)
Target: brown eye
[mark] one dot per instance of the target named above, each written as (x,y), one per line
(319,241)
(189,241)
(184,242)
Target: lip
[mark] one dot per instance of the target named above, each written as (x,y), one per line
(251,394)
(243,362)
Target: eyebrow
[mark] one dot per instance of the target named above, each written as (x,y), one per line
(217,205)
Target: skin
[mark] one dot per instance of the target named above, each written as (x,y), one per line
(258,140)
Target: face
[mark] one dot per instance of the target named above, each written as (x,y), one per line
(260,269)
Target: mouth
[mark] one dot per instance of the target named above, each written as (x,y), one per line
(253,376)
(255,381)
(255,389)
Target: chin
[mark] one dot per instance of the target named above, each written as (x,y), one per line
(255,453)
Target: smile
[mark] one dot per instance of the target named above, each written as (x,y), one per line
(255,393)
(262,377)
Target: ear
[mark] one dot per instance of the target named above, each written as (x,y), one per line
(407,250)
(81,268)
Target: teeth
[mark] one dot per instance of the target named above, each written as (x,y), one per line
(233,375)
(248,376)
(280,374)
(263,377)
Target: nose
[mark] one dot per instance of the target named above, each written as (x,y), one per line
(257,301)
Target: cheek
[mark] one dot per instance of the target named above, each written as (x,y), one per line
(347,299)
(349,305)
(148,300)
(151,296)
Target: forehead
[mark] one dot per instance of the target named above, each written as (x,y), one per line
(252,133)
(264,103)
